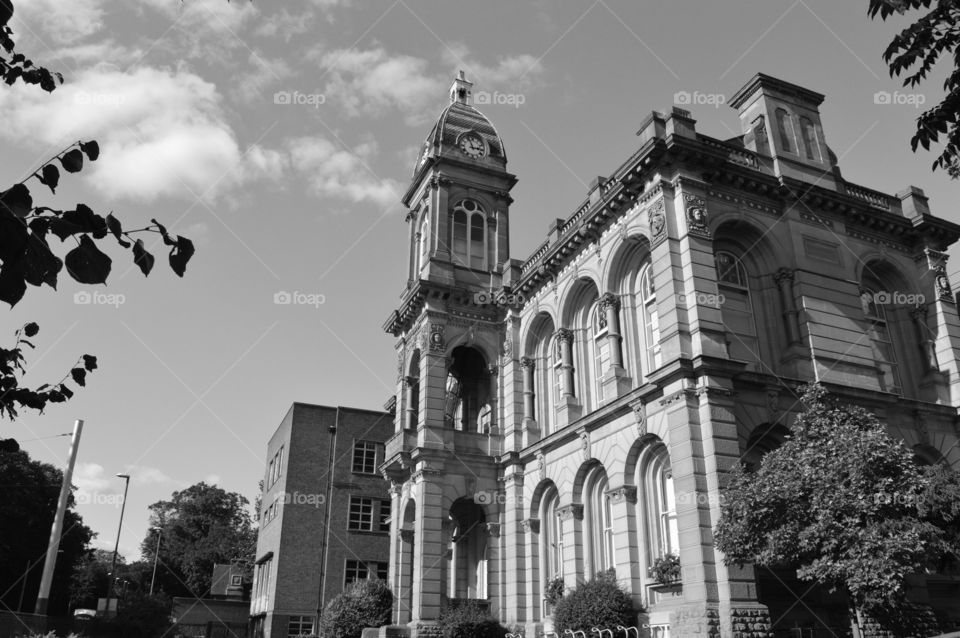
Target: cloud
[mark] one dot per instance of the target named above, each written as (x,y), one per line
(285,24)
(373,82)
(61,22)
(512,71)
(341,174)
(212,479)
(251,83)
(162,132)
(146,475)
(89,479)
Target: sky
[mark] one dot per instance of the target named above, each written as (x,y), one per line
(279,136)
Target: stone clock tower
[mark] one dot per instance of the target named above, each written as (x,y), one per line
(451,328)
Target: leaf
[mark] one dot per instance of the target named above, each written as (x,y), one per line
(163,231)
(142,258)
(87,264)
(72,160)
(13,236)
(17,199)
(31,329)
(113,224)
(12,285)
(89,362)
(92,149)
(79,376)
(50,175)
(39,264)
(67,392)
(180,255)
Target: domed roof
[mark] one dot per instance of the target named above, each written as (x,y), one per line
(457,120)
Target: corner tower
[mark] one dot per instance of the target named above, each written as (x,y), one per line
(450,330)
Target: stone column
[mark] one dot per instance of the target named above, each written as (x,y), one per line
(946,323)
(403,584)
(412,387)
(529,367)
(623,505)
(429,552)
(788,305)
(610,304)
(411,220)
(512,586)
(565,337)
(571,524)
(530,577)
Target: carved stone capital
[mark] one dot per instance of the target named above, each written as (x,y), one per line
(610,300)
(527,362)
(783,275)
(564,335)
(409,382)
(493,529)
(574,511)
(624,494)
(530,525)
(493,369)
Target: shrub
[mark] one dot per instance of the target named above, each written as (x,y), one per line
(138,615)
(364,603)
(600,602)
(554,591)
(468,620)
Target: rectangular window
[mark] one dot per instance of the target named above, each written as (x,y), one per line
(299,626)
(354,570)
(383,570)
(385,515)
(361,514)
(365,457)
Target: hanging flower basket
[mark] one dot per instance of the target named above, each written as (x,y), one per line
(666,570)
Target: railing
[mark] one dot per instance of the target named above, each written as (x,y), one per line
(735,154)
(535,257)
(872,197)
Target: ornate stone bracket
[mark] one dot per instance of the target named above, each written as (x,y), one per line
(585,445)
(530,525)
(493,529)
(937,263)
(696,210)
(657,220)
(436,337)
(574,511)
(639,408)
(624,494)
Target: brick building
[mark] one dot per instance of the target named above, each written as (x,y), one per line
(575,411)
(324,515)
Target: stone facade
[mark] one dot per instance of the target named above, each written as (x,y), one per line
(577,411)
(305,538)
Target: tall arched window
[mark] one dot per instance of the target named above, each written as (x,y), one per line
(600,516)
(556,353)
(649,321)
(551,539)
(660,505)
(737,307)
(600,349)
(785,130)
(872,300)
(469,236)
(424,241)
(810,143)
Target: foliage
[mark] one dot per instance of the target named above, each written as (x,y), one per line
(364,603)
(940,505)
(30,494)
(554,590)
(26,231)
(139,615)
(600,602)
(666,569)
(915,51)
(839,501)
(468,620)
(202,525)
(90,579)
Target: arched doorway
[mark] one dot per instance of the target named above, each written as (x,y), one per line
(467,569)
(467,391)
(405,564)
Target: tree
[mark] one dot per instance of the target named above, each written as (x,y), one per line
(919,47)
(27,229)
(841,502)
(364,603)
(30,493)
(202,525)
(599,602)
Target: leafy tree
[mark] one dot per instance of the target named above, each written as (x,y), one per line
(915,51)
(27,230)
(600,602)
(138,614)
(364,603)
(468,620)
(30,493)
(202,525)
(90,579)
(841,502)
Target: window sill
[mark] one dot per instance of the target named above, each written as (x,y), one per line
(365,532)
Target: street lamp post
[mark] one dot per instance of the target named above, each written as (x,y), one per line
(116,547)
(156,555)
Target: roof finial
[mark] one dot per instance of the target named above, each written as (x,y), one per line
(460,91)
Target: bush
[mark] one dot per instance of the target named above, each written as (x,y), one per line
(138,615)
(468,620)
(554,591)
(666,569)
(600,602)
(364,603)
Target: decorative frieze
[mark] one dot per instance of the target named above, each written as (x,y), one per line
(574,511)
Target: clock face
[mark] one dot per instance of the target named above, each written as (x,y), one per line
(472,146)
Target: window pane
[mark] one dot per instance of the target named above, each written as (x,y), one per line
(361,514)
(365,457)
(384,515)
(460,237)
(476,241)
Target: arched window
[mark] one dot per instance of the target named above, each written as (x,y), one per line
(557,367)
(600,349)
(469,234)
(872,300)
(649,321)
(600,516)
(551,539)
(785,130)
(424,241)
(737,307)
(660,506)
(810,143)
